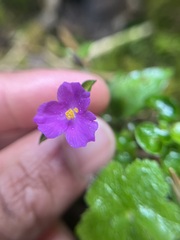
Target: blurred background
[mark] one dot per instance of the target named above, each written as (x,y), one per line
(99,35)
(108,37)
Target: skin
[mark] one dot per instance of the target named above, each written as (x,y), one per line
(39,182)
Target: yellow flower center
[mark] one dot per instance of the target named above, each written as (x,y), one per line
(70,114)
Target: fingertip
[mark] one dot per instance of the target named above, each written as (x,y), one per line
(100,96)
(23,92)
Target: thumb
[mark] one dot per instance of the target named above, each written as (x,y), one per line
(38,182)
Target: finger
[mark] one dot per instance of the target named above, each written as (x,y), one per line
(21,93)
(8,137)
(41,181)
(57,232)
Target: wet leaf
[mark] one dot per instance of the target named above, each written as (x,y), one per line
(150,137)
(130,204)
(130,91)
(172,160)
(125,148)
(165,107)
(175,132)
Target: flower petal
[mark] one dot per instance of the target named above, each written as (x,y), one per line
(73,95)
(81,130)
(51,119)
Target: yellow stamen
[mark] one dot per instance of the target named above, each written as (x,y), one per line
(70,114)
(76,110)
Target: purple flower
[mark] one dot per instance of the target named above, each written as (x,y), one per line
(68,115)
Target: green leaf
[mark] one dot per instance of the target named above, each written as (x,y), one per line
(172,160)
(42,138)
(130,204)
(165,107)
(125,147)
(130,92)
(87,85)
(151,138)
(175,132)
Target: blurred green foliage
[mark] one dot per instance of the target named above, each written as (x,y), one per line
(130,91)
(164,13)
(130,198)
(130,204)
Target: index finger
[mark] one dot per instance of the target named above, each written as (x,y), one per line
(22,92)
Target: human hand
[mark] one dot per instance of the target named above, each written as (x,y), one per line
(39,182)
